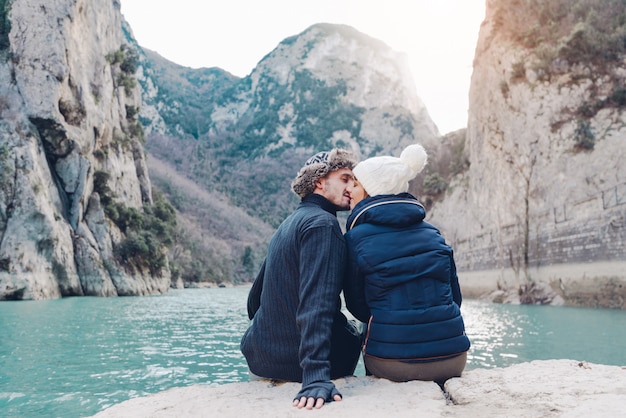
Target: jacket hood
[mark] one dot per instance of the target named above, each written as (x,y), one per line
(398,210)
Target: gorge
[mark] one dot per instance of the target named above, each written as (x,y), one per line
(125,174)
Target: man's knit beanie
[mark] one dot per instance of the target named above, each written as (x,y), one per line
(319,166)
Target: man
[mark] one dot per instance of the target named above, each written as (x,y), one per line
(296,318)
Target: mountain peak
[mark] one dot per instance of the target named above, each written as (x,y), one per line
(375,75)
(328,86)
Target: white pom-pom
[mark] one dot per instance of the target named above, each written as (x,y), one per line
(415,157)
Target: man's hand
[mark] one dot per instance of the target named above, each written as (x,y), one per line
(315,394)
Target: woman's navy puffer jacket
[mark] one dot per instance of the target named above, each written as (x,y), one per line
(402,281)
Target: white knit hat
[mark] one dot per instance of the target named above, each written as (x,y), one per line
(390,175)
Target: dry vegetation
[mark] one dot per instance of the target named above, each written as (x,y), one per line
(214,240)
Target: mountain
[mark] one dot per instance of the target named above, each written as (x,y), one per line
(224,149)
(329,86)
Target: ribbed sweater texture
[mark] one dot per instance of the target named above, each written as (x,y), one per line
(289,337)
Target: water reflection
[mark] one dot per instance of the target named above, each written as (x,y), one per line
(494,335)
(502,335)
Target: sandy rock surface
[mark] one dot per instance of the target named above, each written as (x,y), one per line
(551,388)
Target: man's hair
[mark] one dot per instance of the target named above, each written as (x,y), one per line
(319,166)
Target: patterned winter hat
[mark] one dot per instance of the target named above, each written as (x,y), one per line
(390,175)
(319,166)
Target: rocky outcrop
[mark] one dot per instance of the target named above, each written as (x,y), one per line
(551,388)
(67,112)
(544,199)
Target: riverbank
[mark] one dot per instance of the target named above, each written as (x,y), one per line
(591,285)
(549,388)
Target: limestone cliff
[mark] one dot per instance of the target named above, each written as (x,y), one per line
(544,199)
(69,141)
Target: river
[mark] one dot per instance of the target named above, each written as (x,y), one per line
(74,357)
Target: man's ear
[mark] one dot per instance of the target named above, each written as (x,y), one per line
(319,184)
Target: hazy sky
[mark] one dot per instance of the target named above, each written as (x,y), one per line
(438,36)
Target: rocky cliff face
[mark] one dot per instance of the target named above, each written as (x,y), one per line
(546,138)
(68,117)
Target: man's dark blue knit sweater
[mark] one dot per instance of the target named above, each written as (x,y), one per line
(290,335)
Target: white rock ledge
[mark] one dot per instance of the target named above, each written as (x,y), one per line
(550,388)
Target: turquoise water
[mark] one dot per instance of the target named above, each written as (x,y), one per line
(74,357)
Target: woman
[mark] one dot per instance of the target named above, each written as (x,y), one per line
(402,277)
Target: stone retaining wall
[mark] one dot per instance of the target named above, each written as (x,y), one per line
(578,249)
